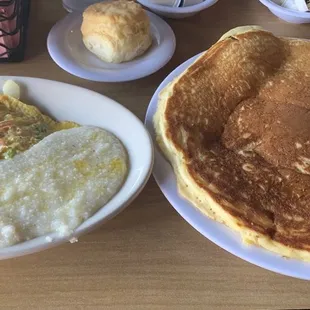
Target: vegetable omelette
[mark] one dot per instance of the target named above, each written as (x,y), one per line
(22,126)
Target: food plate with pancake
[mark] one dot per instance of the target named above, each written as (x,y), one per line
(67,164)
(214,160)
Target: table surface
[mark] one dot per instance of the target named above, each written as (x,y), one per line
(147,257)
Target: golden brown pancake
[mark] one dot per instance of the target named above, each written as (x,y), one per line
(236,128)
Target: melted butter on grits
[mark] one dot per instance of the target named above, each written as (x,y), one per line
(59,183)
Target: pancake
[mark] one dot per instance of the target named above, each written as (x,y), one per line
(236,128)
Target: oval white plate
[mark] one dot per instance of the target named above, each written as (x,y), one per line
(216,232)
(67,49)
(67,102)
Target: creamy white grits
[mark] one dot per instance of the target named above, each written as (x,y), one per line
(59,183)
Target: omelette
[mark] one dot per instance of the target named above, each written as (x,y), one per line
(23,125)
(236,128)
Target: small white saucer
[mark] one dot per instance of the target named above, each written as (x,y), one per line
(67,49)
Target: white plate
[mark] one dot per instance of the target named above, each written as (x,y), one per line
(67,102)
(67,49)
(216,232)
(288,15)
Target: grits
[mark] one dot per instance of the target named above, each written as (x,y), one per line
(59,183)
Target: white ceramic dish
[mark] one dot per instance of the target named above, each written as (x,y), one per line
(177,12)
(66,48)
(191,2)
(286,14)
(216,232)
(170,3)
(77,5)
(68,102)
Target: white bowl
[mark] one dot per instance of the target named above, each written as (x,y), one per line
(175,12)
(286,14)
(67,102)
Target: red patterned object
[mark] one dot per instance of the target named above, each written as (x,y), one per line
(13,27)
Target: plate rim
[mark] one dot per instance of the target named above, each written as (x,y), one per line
(267,259)
(40,243)
(179,10)
(69,65)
